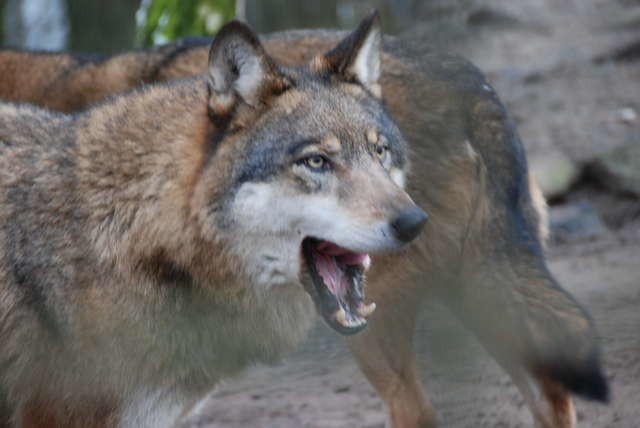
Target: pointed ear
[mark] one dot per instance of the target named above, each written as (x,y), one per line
(241,70)
(357,57)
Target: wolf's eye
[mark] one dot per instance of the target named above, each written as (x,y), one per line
(316,162)
(382,151)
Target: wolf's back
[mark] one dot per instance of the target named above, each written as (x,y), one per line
(508,295)
(70,82)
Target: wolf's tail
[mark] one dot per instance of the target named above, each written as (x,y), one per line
(562,343)
(526,320)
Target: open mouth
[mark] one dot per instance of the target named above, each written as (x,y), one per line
(336,284)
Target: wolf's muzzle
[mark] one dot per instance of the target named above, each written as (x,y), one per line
(409,223)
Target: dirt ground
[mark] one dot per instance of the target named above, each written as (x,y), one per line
(559,71)
(320,385)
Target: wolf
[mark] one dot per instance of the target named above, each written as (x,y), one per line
(482,251)
(167,238)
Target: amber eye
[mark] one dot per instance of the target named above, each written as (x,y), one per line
(382,151)
(316,162)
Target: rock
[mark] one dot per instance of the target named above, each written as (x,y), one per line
(618,169)
(626,115)
(626,53)
(554,172)
(573,222)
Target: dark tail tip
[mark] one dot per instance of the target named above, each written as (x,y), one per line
(585,380)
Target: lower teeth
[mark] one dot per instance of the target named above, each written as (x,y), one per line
(341,317)
(363,311)
(366,310)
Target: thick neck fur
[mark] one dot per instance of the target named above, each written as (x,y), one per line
(141,159)
(149,179)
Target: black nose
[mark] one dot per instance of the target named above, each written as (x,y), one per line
(409,223)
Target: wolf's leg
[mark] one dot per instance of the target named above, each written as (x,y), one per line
(558,403)
(550,403)
(385,354)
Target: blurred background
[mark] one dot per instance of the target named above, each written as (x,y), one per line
(569,73)
(111,26)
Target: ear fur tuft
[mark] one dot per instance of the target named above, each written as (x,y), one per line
(241,70)
(356,57)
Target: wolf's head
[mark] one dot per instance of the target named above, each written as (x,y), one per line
(317,168)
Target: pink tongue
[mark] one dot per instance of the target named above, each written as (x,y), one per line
(333,277)
(327,256)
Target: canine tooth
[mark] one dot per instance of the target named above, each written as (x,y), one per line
(366,310)
(341,317)
(366,263)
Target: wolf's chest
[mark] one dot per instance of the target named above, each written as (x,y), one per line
(202,341)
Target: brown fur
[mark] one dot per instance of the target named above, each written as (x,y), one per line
(482,250)
(136,265)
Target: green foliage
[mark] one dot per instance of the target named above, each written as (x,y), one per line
(160,21)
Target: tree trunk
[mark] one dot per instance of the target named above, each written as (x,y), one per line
(36,24)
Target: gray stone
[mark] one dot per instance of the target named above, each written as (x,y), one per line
(578,221)
(619,169)
(554,172)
